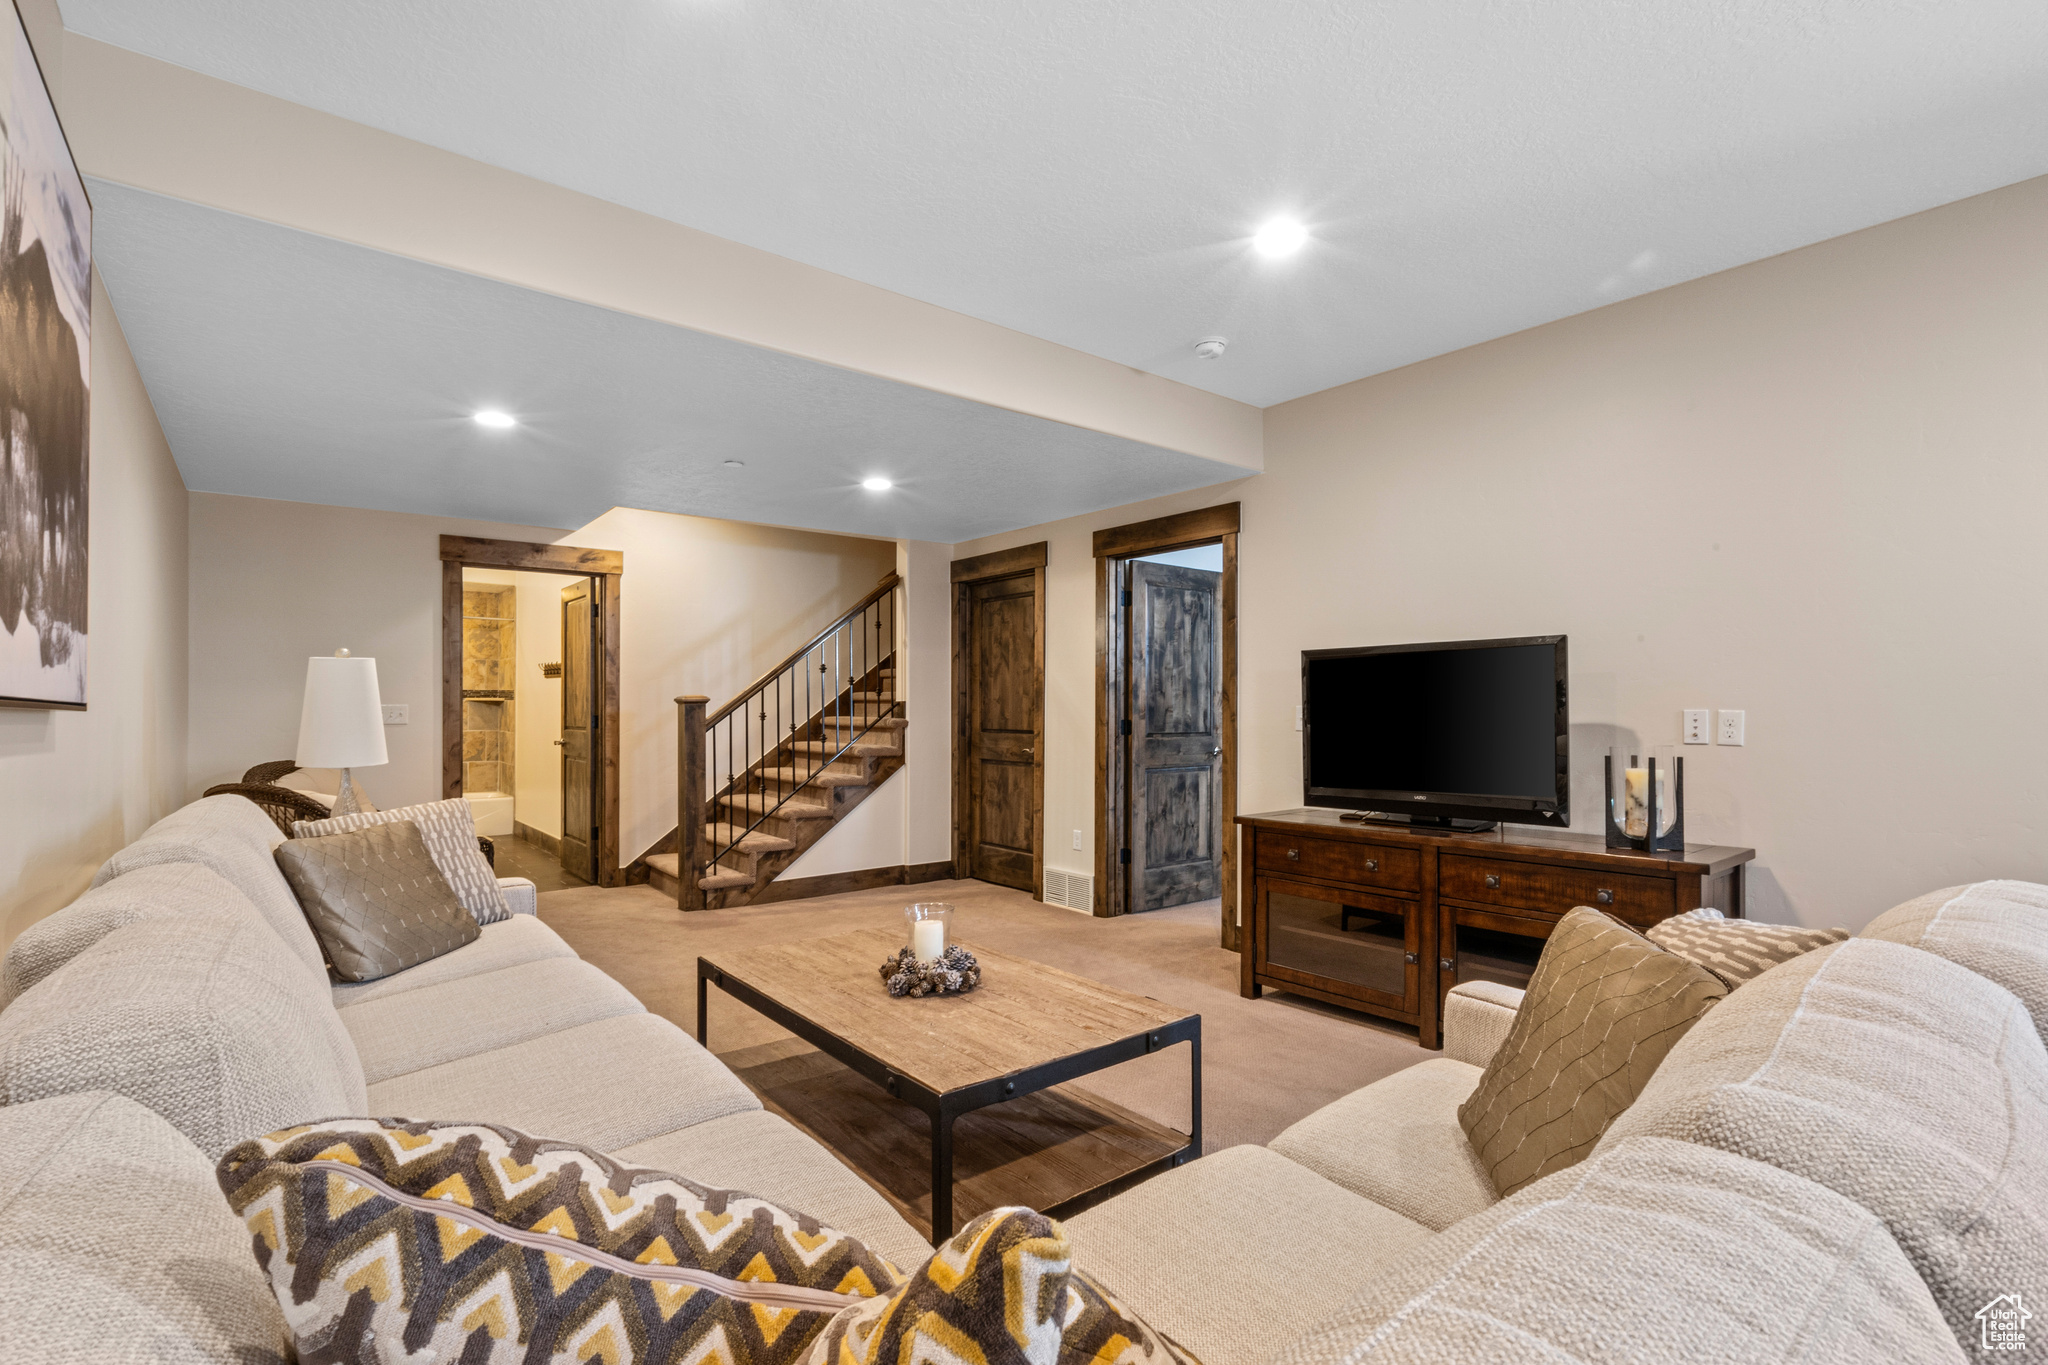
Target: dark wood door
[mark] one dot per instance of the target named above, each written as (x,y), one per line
(1003,721)
(1176,746)
(579,730)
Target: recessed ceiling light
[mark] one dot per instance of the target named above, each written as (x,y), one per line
(877,484)
(491,417)
(1280,237)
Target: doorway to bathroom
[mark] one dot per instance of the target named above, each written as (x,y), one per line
(530,703)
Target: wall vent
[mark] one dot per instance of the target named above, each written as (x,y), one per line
(1070,890)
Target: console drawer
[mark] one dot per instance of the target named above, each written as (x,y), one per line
(1554,890)
(1338,860)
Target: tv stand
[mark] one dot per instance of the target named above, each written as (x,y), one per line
(1386,918)
(1421,824)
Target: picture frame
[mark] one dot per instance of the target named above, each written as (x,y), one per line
(45,393)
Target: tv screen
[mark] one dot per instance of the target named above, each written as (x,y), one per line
(1476,729)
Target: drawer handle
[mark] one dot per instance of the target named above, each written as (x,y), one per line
(1493,881)
(1604,896)
(1414,958)
(1294,855)
(1446,964)
(1372,864)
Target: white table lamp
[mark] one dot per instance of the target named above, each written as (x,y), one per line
(342,722)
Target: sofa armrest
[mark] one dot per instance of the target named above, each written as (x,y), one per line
(1477,1016)
(521,894)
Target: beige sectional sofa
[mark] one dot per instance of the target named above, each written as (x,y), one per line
(1831,1166)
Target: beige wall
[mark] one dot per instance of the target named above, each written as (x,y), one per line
(705,605)
(1809,488)
(75,786)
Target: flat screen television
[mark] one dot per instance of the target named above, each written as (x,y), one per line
(1450,736)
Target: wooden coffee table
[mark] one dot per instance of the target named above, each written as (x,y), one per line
(1023,1033)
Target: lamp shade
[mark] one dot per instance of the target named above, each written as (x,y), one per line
(342,722)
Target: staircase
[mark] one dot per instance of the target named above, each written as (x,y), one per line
(782,763)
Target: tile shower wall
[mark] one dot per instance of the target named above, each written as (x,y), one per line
(488,659)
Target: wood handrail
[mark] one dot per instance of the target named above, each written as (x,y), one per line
(882,589)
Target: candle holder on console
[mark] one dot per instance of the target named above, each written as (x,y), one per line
(930,965)
(1646,800)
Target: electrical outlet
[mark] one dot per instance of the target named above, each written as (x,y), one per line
(1731,727)
(1077,838)
(397,713)
(1697,728)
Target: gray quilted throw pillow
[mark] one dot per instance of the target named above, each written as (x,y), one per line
(450,831)
(375,899)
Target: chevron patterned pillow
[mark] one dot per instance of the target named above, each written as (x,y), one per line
(385,1239)
(1001,1291)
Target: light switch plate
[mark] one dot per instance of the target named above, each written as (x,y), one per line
(1731,727)
(1698,728)
(397,713)
(1077,838)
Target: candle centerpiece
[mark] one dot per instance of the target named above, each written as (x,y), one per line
(1646,800)
(929,965)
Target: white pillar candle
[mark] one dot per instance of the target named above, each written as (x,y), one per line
(927,939)
(1635,804)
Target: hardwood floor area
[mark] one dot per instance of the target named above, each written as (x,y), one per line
(517,858)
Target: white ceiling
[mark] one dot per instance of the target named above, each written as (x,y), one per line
(1088,172)
(287,365)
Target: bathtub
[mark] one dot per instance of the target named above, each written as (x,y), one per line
(492,812)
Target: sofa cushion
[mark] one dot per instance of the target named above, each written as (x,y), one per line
(605,1085)
(1996,929)
(756,1150)
(572,1255)
(1603,1007)
(1001,1291)
(147,893)
(449,830)
(1900,1080)
(414,1030)
(116,1245)
(507,943)
(1737,950)
(1398,1143)
(232,836)
(1477,1018)
(1648,1250)
(1212,1252)
(375,899)
(211,1026)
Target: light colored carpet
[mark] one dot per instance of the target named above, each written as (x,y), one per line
(1266,1062)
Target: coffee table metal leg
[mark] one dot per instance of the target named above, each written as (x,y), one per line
(703,1006)
(942,1176)
(1195,1092)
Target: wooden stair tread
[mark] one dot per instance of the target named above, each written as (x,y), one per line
(860,748)
(757,842)
(862,723)
(723,880)
(823,777)
(789,810)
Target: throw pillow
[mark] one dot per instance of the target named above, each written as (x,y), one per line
(384,1238)
(375,899)
(1001,1291)
(1737,950)
(450,831)
(1603,1007)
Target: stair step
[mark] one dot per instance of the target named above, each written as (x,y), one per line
(760,841)
(791,778)
(757,803)
(669,864)
(862,723)
(724,880)
(866,748)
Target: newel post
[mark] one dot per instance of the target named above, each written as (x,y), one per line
(690,801)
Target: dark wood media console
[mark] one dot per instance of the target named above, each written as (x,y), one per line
(1386,920)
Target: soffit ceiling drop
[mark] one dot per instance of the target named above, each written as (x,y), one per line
(1089,173)
(293,366)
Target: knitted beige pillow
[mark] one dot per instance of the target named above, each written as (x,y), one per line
(1737,950)
(1604,1006)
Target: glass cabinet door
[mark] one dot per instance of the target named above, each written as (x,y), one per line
(1345,942)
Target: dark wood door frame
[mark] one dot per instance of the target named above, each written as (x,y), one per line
(1206,526)
(605,569)
(966,573)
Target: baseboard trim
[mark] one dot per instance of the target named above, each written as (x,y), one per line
(546,843)
(866,879)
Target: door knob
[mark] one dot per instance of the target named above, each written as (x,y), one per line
(1215,751)
(558,741)
(1493,881)
(1604,896)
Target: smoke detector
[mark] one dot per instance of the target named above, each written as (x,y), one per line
(1211,347)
